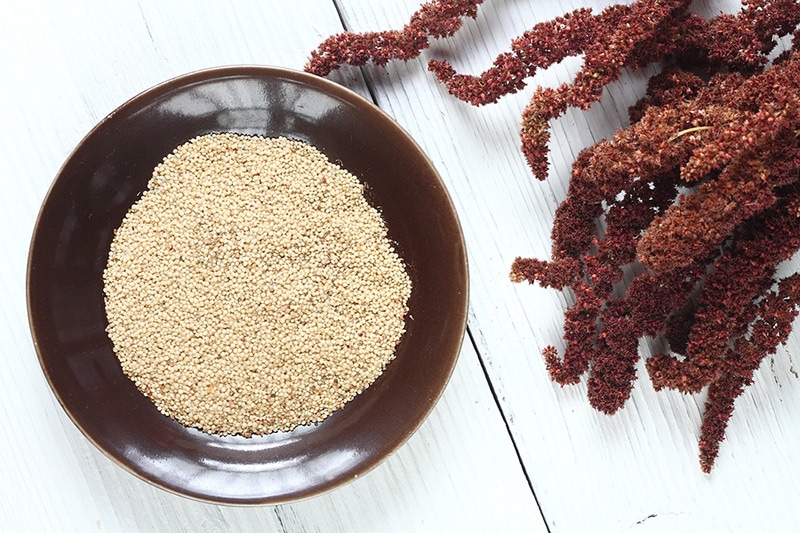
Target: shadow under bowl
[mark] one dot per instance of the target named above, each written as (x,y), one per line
(104,176)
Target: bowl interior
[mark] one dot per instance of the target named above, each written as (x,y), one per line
(104,176)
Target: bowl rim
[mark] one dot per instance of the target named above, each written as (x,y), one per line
(329,87)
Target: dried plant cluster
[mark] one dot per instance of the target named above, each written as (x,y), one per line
(699,197)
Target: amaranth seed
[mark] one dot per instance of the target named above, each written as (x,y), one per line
(251,288)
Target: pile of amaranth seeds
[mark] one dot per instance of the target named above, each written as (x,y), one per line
(252,289)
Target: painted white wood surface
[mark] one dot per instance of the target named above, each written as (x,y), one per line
(636,470)
(67,66)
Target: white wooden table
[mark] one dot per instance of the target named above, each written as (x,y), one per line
(505,449)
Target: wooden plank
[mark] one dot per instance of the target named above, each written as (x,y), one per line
(67,66)
(638,469)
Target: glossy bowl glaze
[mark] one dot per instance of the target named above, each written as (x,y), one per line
(104,176)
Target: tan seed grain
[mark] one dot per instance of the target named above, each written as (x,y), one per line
(251,288)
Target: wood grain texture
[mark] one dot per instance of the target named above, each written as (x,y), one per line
(69,65)
(636,470)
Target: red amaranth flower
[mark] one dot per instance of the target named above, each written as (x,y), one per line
(630,181)
(442,18)
(776,312)
(699,197)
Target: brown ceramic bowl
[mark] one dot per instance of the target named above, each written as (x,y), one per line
(103,177)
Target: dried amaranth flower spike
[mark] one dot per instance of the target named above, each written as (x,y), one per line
(434,19)
(740,142)
(720,121)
